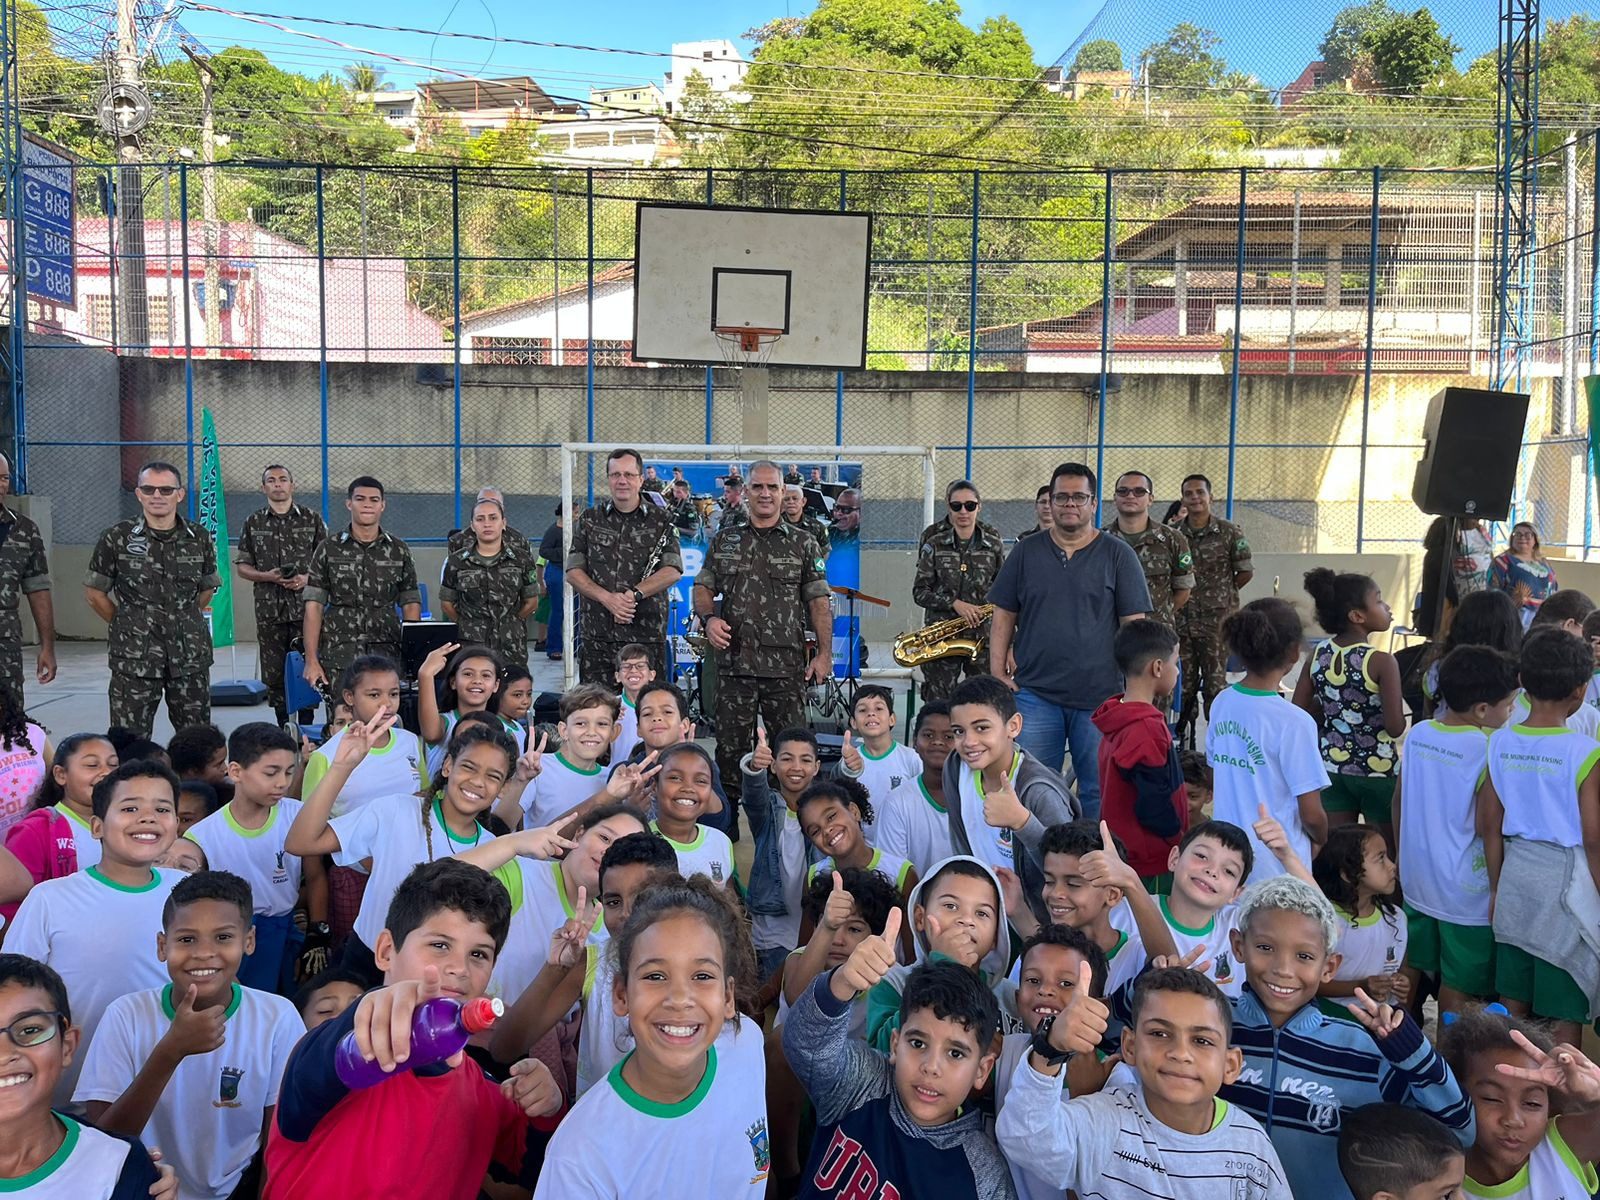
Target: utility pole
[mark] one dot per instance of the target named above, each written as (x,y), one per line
(208,201)
(130,193)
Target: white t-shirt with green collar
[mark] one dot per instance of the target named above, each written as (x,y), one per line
(558,787)
(391,832)
(84,844)
(1371,945)
(1441,854)
(539,907)
(881,774)
(208,1119)
(915,826)
(258,856)
(891,865)
(100,937)
(615,1142)
(1215,938)
(627,730)
(89,1165)
(1552,1172)
(398,767)
(711,853)
(992,846)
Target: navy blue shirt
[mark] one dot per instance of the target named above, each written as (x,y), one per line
(1068,610)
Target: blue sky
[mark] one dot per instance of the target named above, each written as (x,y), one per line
(1275,49)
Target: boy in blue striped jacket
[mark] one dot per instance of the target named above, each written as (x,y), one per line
(1304,1066)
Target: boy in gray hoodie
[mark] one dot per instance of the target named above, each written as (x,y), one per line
(958,913)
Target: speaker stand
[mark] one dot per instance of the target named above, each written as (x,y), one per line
(1447,565)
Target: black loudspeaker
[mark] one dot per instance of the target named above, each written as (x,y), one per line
(1469,465)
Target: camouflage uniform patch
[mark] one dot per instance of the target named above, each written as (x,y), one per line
(359,584)
(948,570)
(613,548)
(272,541)
(1220,552)
(487,594)
(158,640)
(766,578)
(23,569)
(1168,566)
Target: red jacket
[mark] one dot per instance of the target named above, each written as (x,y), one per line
(1142,796)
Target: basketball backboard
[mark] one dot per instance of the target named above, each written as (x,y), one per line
(801,276)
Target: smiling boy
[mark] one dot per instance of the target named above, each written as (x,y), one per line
(97,927)
(880,764)
(899,1124)
(572,775)
(684,793)
(194,1067)
(1170,1137)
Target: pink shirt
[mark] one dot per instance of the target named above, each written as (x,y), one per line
(21,772)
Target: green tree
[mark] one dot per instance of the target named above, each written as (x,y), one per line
(1102,54)
(1343,48)
(366,77)
(1409,52)
(1184,65)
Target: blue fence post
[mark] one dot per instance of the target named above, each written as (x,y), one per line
(188,339)
(322,339)
(1366,370)
(711,383)
(1238,342)
(972,326)
(588,353)
(455,323)
(838,378)
(1594,341)
(1105,333)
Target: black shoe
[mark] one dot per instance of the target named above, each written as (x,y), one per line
(541,645)
(554,656)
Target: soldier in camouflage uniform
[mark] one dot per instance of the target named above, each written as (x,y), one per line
(23,570)
(489,589)
(513,540)
(150,579)
(681,507)
(356,579)
(957,562)
(1163,551)
(623,558)
(1221,567)
(653,482)
(771,579)
(796,514)
(274,555)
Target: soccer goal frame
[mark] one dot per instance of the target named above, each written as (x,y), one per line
(729,452)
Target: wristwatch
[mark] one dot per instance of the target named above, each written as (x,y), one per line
(638,596)
(1042,1047)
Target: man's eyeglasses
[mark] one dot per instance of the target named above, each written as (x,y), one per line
(1133,491)
(963,506)
(1071,499)
(157,489)
(34,1029)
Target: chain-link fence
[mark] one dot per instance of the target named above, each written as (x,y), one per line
(1279,330)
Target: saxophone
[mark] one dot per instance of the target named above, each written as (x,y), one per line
(942,639)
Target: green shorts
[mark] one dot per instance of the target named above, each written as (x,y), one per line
(1548,991)
(1461,955)
(1158,885)
(1370,795)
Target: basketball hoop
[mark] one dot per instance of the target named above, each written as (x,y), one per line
(746,346)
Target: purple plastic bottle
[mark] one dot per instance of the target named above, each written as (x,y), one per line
(439,1028)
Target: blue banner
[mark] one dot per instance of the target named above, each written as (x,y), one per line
(49,214)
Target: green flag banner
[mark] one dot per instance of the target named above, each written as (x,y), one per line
(214,519)
(1591,389)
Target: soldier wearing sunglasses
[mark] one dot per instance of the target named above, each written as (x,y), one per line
(150,579)
(1163,551)
(957,562)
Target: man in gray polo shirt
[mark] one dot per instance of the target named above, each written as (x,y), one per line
(1058,601)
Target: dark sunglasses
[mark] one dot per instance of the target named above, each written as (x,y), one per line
(963,505)
(1133,491)
(157,489)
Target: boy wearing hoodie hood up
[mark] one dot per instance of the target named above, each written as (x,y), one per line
(1142,793)
(957,913)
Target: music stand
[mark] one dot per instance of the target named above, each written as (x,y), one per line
(418,639)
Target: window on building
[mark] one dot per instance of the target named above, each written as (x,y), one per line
(608,352)
(511,351)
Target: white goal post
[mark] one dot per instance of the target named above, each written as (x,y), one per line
(570,452)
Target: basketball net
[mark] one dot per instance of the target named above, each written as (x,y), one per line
(746,347)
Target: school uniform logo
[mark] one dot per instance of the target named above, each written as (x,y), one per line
(760,1151)
(1223,969)
(716,872)
(896,780)
(228,1088)
(280,873)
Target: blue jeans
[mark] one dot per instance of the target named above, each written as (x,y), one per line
(1049,731)
(558,610)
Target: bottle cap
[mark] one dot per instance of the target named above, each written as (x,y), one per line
(478,1015)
